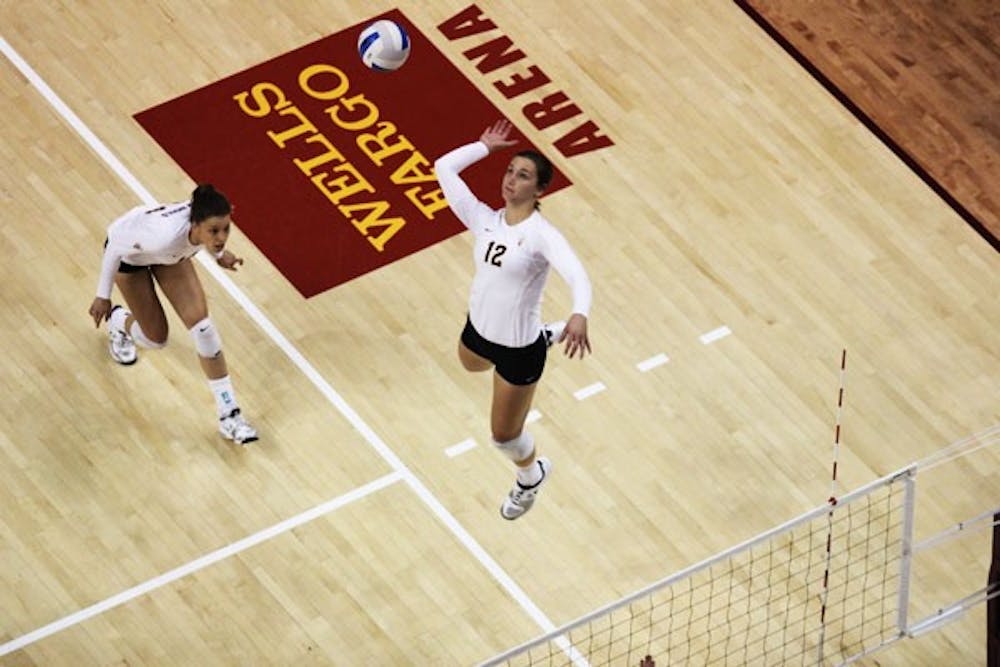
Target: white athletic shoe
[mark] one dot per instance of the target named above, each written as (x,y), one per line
(521,498)
(234,427)
(120,344)
(552,331)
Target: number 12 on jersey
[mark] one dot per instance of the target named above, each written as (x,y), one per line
(494,252)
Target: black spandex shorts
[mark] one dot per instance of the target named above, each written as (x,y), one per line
(128,268)
(517,365)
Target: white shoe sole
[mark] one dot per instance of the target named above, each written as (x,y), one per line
(119,360)
(239,441)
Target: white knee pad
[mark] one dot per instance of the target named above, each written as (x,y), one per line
(140,337)
(517,449)
(206,339)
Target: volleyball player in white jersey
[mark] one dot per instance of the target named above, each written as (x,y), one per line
(514,247)
(157,243)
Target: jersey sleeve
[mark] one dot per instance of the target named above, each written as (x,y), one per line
(115,248)
(109,264)
(556,249)
(473,213)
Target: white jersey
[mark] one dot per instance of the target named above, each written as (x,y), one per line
(146,236)
(512,261)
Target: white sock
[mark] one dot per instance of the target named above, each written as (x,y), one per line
(529,475)
(225,398)
(117,320)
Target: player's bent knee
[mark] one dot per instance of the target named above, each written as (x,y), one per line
(516,449)
(145,340)
(206,339)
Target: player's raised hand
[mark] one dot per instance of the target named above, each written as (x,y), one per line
(496,136)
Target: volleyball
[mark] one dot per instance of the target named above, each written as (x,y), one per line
(384,46)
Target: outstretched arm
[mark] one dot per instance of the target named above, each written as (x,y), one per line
(100,308)
(561,256)
(472,212)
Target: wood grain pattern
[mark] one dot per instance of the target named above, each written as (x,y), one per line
(738,193)
(922,74)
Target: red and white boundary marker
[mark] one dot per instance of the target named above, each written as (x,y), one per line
(833,502)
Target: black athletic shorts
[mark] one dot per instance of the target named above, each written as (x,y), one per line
(127,268)
(517,365)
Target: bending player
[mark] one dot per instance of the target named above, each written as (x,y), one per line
(157,243)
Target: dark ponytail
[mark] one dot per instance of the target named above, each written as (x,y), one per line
(207,202)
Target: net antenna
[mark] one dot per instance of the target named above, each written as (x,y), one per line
(833,503)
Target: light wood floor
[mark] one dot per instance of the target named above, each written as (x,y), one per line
(738,194)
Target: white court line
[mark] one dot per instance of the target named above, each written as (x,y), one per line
(461,448)
(652,362)
(460,533)
(714,335)
(199,563)
(533,416)
(589,391)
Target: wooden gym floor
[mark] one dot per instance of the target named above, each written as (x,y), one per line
(739,193)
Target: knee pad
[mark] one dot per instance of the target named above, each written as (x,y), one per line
(517,449)
(140,337)
(206,339)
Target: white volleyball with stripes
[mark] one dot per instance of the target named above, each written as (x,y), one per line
(384,45)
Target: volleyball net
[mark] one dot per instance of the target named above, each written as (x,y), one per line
(828,587)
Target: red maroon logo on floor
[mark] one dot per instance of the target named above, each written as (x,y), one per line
(330,164)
